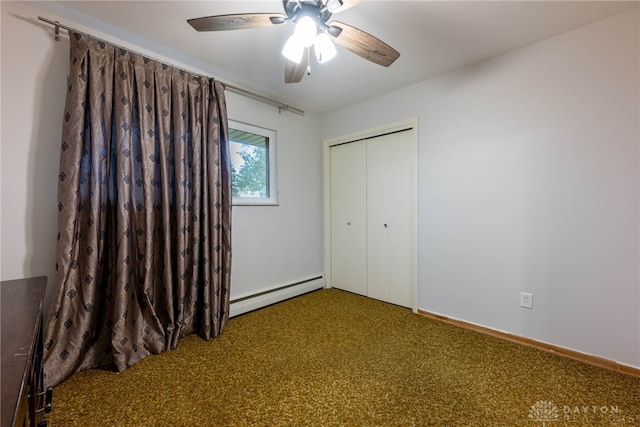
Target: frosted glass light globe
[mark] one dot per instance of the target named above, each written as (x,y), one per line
(324,48)
(306,31)
(293,50)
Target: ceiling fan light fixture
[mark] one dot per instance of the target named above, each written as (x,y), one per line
(324,48)
(312,26)
(293,50)
(306,30)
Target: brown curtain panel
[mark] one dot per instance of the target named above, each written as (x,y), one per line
(144,225)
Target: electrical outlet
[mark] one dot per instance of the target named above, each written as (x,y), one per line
(526,300)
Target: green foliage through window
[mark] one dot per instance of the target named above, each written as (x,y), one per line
(252,164)
(249,170)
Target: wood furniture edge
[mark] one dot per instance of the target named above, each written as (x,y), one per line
(26,361)
(539,345)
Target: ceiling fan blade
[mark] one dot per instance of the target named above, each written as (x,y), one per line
(239,21)
(343,5)
(364,44)
(293,72)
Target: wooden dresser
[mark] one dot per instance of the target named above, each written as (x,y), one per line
(22,352)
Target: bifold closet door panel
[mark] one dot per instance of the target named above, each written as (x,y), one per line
(349,217)
(390,189)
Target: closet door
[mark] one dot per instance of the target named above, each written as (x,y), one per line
(390,216)
(349,217)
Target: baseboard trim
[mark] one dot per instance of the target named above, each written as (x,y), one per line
(549,348)
(262,299)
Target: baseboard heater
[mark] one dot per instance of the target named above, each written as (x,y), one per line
(244,304)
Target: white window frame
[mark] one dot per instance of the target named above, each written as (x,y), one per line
(272,200)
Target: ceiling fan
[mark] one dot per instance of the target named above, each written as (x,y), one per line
(312,29)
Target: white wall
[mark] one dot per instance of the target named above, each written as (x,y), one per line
(529,180)
(279,245)
(34,72)
(272,246)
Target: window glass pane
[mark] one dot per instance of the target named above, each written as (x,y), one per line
(253,164)
(250,167)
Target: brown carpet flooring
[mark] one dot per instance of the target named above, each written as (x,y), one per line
(331,358)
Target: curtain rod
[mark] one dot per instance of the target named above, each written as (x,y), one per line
(281,106)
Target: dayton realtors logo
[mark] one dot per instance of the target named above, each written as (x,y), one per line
(545,411)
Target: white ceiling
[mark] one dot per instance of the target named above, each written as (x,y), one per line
(432,37)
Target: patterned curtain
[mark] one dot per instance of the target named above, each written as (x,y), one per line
(144,224)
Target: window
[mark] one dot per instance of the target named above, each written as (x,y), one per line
(253,164)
